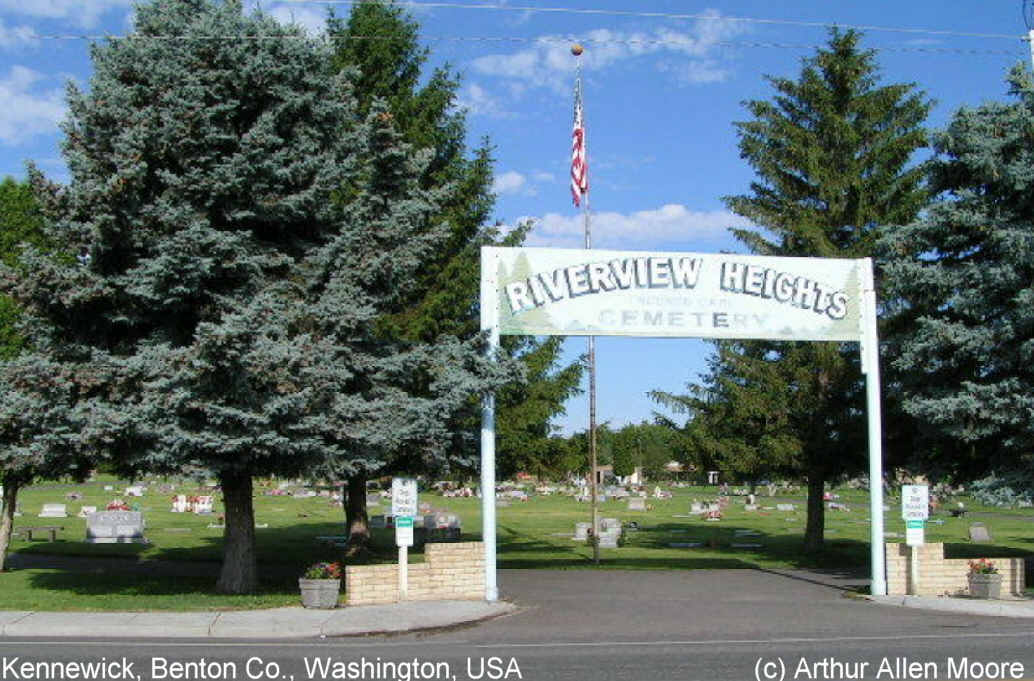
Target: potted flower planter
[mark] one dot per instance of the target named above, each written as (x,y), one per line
(985,585)
(319,593)
(321,585)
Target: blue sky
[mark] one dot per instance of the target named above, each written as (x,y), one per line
(664,80)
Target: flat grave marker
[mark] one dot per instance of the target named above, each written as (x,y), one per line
(979,533)
(53,511)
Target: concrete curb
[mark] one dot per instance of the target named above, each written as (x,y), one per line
(970,606)
(279,623)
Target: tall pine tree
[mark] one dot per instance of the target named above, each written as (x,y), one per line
(832,153)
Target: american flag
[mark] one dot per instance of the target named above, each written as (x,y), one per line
(579,162)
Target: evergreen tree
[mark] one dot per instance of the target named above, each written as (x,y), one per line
(740,416)
(396,398)
(202,170)
(378,48)
(38,422)
(831,152)
(959,290)
(21,222)
(42,428)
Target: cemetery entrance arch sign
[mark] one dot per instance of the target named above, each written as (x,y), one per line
(571,292)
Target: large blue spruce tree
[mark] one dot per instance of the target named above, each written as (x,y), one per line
(960,293)
(204,161)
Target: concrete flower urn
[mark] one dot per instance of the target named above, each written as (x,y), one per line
(319,593)
(985,585)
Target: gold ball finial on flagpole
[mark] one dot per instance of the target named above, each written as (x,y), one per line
(577,50)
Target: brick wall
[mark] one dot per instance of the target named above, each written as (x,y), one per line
(452,571)
(939,575)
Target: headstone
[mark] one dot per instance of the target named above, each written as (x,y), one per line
(53,511)
(203,505)
(636,504)
(712,477)
(134,491)
(751,499)
(115,527)
(581,531)
(750,507)
(979,533)
(109,488)
(179,504)
(785,507)
(696,507)
(87,510)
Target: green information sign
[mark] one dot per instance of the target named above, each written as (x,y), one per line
(914,524)
(404,521)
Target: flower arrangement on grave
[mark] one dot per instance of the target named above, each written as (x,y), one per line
(323,570)
(982,567)
(117,505)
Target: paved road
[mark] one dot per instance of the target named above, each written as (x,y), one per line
(617,625)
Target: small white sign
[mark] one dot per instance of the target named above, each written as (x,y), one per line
(915,502)
(403,497)
(914,533)
(403,531)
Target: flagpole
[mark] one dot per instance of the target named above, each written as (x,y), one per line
(577,50)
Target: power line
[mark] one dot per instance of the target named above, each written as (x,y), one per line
(538,40)
(670,15)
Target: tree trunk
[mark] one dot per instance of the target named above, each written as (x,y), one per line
(816,526)
(357,519)
(7,520)
(239,574)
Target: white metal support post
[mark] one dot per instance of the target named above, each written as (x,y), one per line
(403,573)
(490,323)
(870,353)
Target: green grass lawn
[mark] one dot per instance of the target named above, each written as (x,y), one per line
(533,534)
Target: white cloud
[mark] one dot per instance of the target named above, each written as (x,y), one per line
(312,20)
(16,36)
(26,112)
(671,223)
(477,101)
(548,62)
(541,176)
(510,182)
(84,13)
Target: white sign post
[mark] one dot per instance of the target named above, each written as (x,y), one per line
(403,508)
(915,509)
(570,292)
